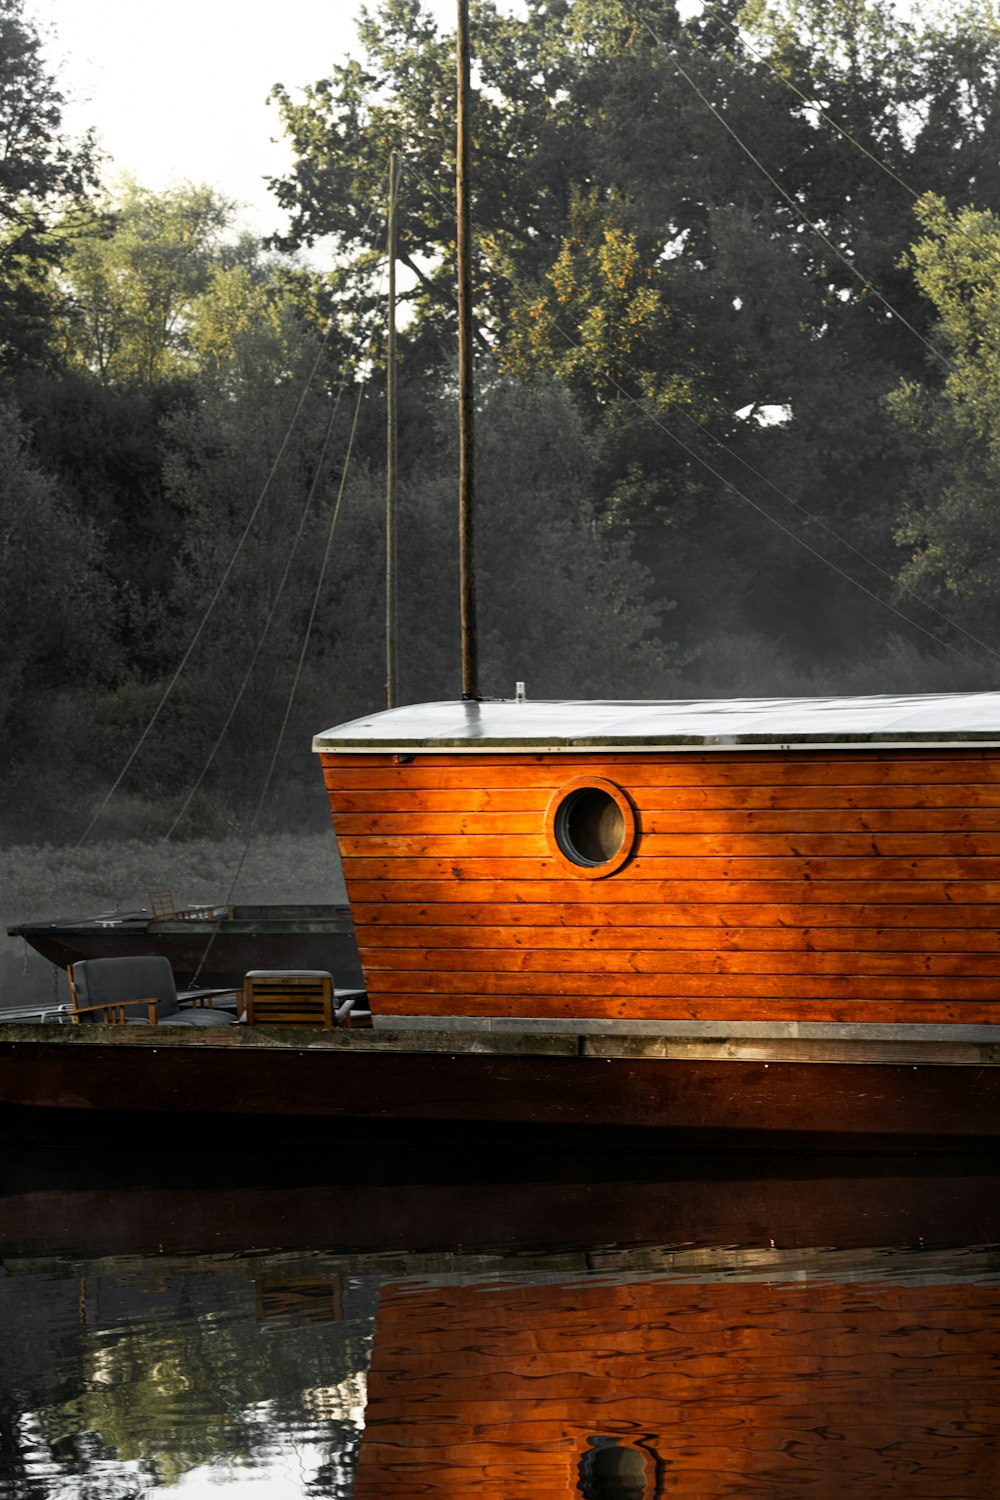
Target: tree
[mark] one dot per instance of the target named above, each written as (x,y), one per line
(564,604)
(949,523)
(57,608)
(724,330)
(251,470)
(44,180)
(135,277)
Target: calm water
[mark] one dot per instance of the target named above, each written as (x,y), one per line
(367,1322)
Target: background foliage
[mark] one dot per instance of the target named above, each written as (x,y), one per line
(738,290)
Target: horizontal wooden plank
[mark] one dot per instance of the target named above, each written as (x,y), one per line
(375,908)
(668,872)
(842,1049)
(440,833)
(762,821)
(378,960)
(666,792)
(445,846)
(689,847)
(692,986)
(686,940)
(877,844)
(623,891)
(404,799)
(450,825)
(668,797)
(741,1008)
(653,770)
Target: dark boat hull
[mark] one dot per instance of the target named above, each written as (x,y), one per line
(221,951)
(72,1079)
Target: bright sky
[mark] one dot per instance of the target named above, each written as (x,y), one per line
(177,91)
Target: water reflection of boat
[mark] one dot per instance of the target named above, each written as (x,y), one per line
(431,1202)
(814,1378)
(220,944)
(715,1371)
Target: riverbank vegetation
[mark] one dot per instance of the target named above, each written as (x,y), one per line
(738,318)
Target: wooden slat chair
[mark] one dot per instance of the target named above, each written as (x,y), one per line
(138,989)
(286,997)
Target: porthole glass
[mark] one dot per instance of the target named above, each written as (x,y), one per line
(590,826)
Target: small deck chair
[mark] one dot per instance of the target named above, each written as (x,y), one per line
(288,997)
(138,989)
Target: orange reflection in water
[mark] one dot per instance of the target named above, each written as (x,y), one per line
(705,1389)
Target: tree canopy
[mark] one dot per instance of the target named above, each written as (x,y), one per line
(736,297)
(44,177)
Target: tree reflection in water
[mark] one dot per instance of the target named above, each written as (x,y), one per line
(118,1382)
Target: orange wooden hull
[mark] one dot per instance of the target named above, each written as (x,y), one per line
(842,887)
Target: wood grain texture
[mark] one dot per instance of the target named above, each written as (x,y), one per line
(847,886)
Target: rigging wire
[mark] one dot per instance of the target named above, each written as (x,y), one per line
(306,638)
(813,104)
(977,241)
(767,515)
(789,83)
(741,495)
(296,678)
(227,572)
(830,530)
(269,621)
(867,284)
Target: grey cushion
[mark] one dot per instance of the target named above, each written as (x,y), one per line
(139,977)
(199,1016)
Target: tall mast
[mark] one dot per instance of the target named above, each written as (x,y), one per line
(392,428)
(466,394)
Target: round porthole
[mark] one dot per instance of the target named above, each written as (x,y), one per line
(590,826)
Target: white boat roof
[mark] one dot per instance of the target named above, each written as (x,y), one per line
(570,725)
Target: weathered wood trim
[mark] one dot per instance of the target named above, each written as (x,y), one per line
(716,1032)
(947,1045)
(868,1101)
(918,1054)
(284,1039)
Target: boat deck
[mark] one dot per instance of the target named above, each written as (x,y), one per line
(780,1092)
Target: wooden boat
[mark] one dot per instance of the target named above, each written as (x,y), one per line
(761,922)
(755,921)
(218,943)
